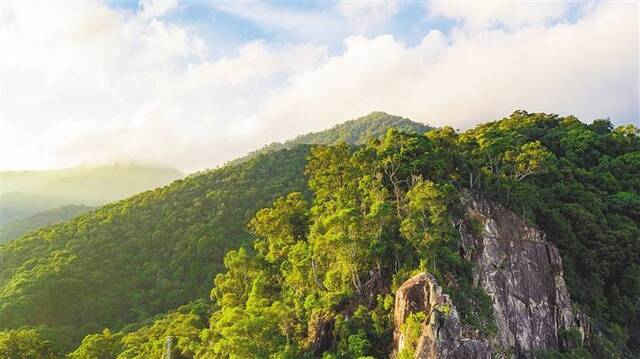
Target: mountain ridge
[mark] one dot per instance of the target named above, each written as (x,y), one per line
(355,132)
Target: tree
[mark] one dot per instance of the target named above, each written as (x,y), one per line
(532,158)
(25,344)
(99,346)
(281,226)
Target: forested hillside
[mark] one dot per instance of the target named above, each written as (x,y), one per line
(340,228)
(19,227)
(142,256)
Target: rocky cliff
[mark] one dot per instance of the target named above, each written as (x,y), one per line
(441,335)
(517,268)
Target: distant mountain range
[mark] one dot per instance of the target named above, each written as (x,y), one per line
(16,228)
(24,193)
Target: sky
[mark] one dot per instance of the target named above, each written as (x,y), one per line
(192,84)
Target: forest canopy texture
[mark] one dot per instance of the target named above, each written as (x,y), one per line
(252,260)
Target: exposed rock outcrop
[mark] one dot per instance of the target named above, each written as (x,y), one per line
(517,268)
(522,273)
(442,334)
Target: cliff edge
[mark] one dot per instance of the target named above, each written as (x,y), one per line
(519,270)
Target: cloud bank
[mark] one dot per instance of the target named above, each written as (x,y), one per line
(85,82)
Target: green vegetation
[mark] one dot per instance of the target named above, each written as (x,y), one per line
(19,227)
(582,189)
(313,272)
(411,329)
(149,340)
(378,211)
(26,344)
(389,207)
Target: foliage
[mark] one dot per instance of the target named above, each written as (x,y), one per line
(181,327)
(133,259)
(101,346)
(27,343)
(331,261)
(411,329)
(391,207)
(584,198)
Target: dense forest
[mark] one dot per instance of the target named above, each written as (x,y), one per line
(323,232)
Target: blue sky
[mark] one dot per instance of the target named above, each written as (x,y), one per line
(191,84)
(410,22)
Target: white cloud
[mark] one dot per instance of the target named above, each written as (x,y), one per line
(511,14)
(82,82)
(365,15)
(333,23)
(156,8)
(317,27)
(589,69)
(255,61)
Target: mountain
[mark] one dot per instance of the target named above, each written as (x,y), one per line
(320,242)
(165,245)
(19,227)
(16,205)
(24,193)
(354,132)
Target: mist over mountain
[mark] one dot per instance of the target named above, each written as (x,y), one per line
(25,193)
(17,228)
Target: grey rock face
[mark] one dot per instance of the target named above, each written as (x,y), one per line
(442,334)
(517,268)
(522,273)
